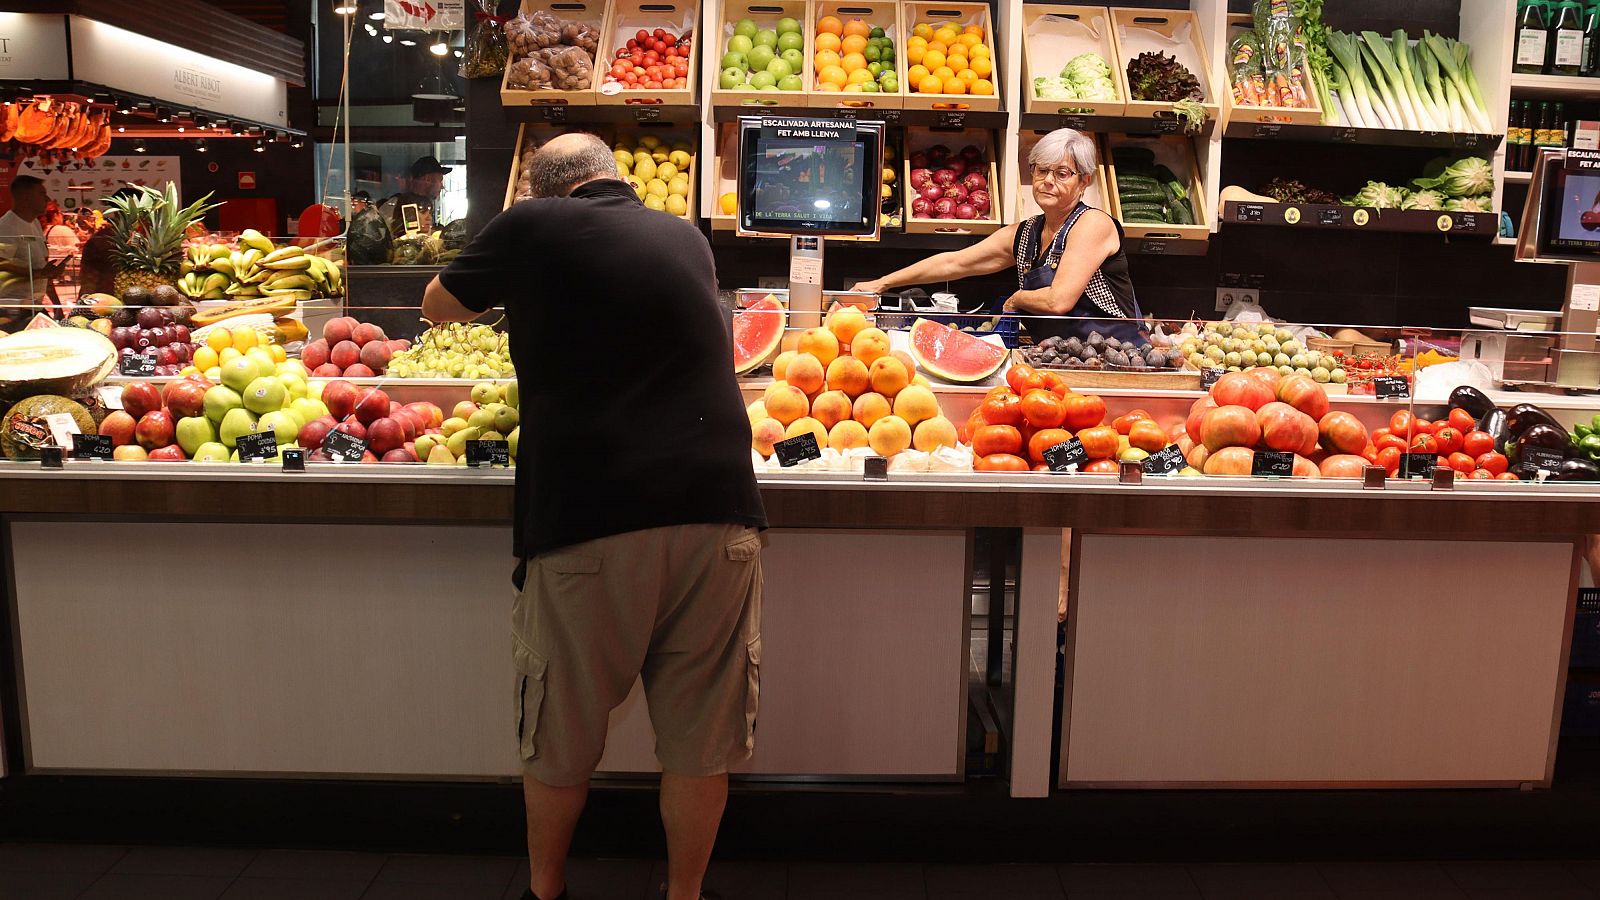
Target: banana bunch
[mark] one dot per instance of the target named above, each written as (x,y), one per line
(254,240)
(258,268)
(204,285)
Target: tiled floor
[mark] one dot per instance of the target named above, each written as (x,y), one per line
(65,872)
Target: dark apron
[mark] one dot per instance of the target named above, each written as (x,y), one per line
(1084,318)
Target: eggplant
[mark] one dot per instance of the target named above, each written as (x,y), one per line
(1524,471)
(1494,423)
(1576,470)
(1525,415)
(1472,400)
(1551,437)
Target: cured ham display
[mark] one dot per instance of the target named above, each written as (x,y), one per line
(54,129)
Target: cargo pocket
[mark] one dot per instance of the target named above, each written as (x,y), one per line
(752,697)
(744,549)
(530,698)
(571,563)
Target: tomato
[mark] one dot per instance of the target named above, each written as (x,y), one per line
(1370,454)
(1462,421)
(998,391)
(1124,423)
(1450,439)
(1462,463)
(1084,411)
(1019,377)
(1495,463)
(1378,433)
(642,36)
(1424,443)
(1477,443)
(1480,475)
(1041,467)
(1000,462)
(1390,440)
(1100,442)
(1389,458)
(1044,439)
(1051,382)
(1103,467)
(1423,426)
(1506,476)
(991,439)
(1146,435)
(1002,409)
(1043,409)
(1403,423)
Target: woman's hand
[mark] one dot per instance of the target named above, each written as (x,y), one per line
(876,286)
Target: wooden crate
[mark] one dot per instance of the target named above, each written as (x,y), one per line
(1174,32)
(630,134)
(1241,112)
(539,134)
(1177,154)
(961,14)
(1052,35)
(881,13)
(589,12)
(920,139)
(726,176)
(629,16)
(1165,380)
(766,15)
(1096,196)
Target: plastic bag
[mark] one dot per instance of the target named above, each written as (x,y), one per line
(485,53)
(529,74)
(571,68)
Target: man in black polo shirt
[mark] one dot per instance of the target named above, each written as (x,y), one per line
(637,511)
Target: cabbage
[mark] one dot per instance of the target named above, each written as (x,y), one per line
(1086,77)
(1085,67)
(1047,88)
(1424,200)
(1378,195)
(1469,176)
(1481,204)
(1098,89)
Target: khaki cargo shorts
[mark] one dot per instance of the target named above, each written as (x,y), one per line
(678,606)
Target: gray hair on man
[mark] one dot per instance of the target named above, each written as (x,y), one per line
(570,160)
(1065,144)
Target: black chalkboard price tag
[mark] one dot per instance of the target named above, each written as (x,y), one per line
(136,364)
(1249,212)
(796,450)
(1168,125)
(1346,135)
(1542,458)
(347,447)
(1331,216)
(260,445)
(1153,247)
(952,120)
(91,446)
(1391,387)
(1272,464)
(1268,130)
(1418,465)
(1066,456)
(1164,461)
(1075,122)
(488,453)
(646,113)
(1209,377)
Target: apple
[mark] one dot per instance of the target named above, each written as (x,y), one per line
(155,429)
(119,426)
(265,394)
(185,398)
(283,425)
(385,434)
(129,453)
(352,427)
(212,452)
(399,455)
(237,422)
(340,396)
(139,398)
(150,317)
(310,437)
(219,400)
(193,431)
(169,453)
(372,405)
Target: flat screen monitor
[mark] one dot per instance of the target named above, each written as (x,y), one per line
(1569,217)
(809,176)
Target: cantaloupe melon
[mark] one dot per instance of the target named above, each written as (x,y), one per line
(65,361)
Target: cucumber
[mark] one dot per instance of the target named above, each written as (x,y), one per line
(1181,213)
(1130,210)
(1142,196)
(1137,182)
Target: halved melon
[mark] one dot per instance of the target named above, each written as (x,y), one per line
(952,354)
(757,331)
(65,361)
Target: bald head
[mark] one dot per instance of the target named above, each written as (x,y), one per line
(569,160)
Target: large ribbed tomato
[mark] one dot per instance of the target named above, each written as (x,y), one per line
(1084,411)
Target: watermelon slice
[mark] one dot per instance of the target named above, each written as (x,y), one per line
(952,354)
(757,332)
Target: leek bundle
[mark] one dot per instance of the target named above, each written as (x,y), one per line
(1390,82)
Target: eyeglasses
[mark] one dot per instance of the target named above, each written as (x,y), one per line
(1059,176)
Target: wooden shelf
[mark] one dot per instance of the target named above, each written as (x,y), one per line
(1355,218)
(946,118)
(1365,137)
(1556,86)
(1518,177)
(610,114)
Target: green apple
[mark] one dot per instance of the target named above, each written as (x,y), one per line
(759,57)
(211,452)
(263,395)
(219,400)
(762,81)
(734,60)
(238,373)
(787,25)
(308,409)
(766,37)
(293,367)
(296,385)
(790,83)
(745,28)
(194,432)
(283,426)
(779,69)
(791,40)
(506,419)
(235,423)
(795,59)
(741,43)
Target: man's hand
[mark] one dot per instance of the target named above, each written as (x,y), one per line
(868,287)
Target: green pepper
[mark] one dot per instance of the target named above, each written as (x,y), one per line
(1590,446)
(1594,424)
(1582,430)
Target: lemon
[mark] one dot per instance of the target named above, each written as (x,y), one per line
(649,141)
(655,202)
(677,204)
(624,161)
(678,187)
(681,159)
(655,187)
(666,171)
(645,168)
(730,203)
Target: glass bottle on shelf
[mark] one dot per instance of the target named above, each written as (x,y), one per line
(1541,131)
(1519,137)
(1532,39)
(1591,46)
(1566,33)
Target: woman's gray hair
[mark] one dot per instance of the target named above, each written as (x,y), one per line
(1065,144)
(568,161)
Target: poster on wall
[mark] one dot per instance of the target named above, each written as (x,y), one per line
(74,185)
(424,15)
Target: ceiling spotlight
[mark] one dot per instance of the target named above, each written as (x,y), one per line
(261,146)
(138,146)
(378,16)
(388,39)
(343,8)
(439,47)
(202,121)
(298,142)
(458,54)
(121,129)
(407,42)
(201,146)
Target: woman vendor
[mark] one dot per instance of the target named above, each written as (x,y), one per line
(1072,274)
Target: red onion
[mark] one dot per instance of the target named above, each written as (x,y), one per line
(975,181)
(944,176)
(944,208)
(921,206)
(980,201)
(932,192)
(972,153)
(919,160)
(956,193)
(937,154)
(966,211)
(920,178)
(957,165)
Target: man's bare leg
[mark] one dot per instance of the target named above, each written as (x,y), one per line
(691,811)
(552,817)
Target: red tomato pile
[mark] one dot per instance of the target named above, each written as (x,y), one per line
(651,61)
(1455,440)
(1034,411)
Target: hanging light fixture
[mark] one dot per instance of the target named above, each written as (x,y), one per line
(201,146)
(343,8)
(439,47)
(261,146)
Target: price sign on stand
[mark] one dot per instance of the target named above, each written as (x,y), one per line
(1168,125)
(1164,461)
(1249,212)
(261,445)
(1268,130)
(344,446)
(91,446)
(1346,135)
(1067,456)
(136,364)
(952,120)
(646,113)
(1331,216)
(1391,387)
(1272,464)
(796,450)
(1542,458)
(1076,123)
(488,453)
(1209,377)
(1418,465)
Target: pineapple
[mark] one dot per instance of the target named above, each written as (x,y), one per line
(147,232)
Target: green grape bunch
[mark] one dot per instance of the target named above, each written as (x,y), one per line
(456,350)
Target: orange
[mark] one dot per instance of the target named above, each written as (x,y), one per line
(854,61)
(983,87)
(974,29)
(982,67)
(940,46)
(860,76)
(933,59)
(917,40)
(830,25)
(956,62)
(914,53)
(826,58)
(827,40)
(915,74)
(980,50)
(944,73)
(947,34)
(931,85)
(854,43)
(955,86)
(967,75)
(835,76)
(858,28)
(924,31)
(970,39)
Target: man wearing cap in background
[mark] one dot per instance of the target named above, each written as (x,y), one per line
(422,190)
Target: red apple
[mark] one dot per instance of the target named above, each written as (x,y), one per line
(340,398)
(139,398)
(155,429)
(399,455)
(185,398)
(119,427)
(428,415)
(353,428)
(169,453)
(129,453)
(371,406)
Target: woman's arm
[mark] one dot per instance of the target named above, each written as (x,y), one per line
(1090,243)
(988,256)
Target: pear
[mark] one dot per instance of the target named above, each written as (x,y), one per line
(439,456)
